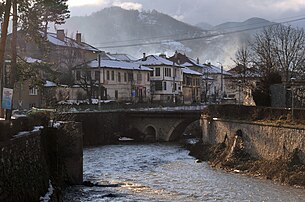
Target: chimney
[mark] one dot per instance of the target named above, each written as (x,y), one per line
(198,61)
(61,34)
(144,57)
(162,55)
(78,37)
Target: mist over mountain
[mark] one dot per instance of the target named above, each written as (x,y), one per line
(117,30)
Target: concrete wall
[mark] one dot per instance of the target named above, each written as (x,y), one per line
(23,169)
(266,141)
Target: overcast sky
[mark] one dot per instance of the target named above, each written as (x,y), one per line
(195,11)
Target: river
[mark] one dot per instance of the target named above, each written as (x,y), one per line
(165,172)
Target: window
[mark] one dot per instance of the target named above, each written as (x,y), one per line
(148,76)
(158,85)
(108,75)
(119,76)
(116,94)
(152,73)
(168,72)
(175,86)
(197,82)
(158,73)
(164,85)
(139,77)
(188,81)
(33,91)
(112,75)
(125,77)
(78,75)
(97,76)
(88,75)
(130,76)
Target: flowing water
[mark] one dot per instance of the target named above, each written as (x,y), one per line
(165,172)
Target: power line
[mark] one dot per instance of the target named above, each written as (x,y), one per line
(202,37)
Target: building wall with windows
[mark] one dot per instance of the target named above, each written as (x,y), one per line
(166,83)
(191,88)
(127,85)
(26,96)
(120,81)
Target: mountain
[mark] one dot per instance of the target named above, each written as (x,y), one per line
(115,26)
(250,24)
(205,26)
(125,31)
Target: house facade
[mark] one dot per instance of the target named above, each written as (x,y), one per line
(166,78)
(118,80)
(191,86)
(241,84)
(59,50)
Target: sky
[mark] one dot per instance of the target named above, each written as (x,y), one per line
(195,11)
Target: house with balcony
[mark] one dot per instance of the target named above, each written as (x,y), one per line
(166,78)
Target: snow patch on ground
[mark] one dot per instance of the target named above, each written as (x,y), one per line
(47,196)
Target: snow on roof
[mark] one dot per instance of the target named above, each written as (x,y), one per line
(32,60)
(115,64)
(187,70)
(211,69)
(154,60)
(121,56)
(50,84)
(239,71)
(52,38)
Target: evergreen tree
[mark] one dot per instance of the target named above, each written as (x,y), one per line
(55,11)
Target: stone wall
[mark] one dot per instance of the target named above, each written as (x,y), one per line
(266,141)
(64,152)
(23,170)
(30,159)
(99,127)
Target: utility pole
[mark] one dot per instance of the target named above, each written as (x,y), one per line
(99,82)
(292,98)
(2,47)
(13,65)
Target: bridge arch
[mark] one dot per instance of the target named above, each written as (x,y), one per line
(162,125)
(150,133)
(177,131)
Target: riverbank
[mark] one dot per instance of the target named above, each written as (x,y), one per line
(286,170)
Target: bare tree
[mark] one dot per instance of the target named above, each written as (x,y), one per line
(289,44)
(263,52)
(243,59)
(86,82)
(280,49)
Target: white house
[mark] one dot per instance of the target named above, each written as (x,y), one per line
(117,80)
(166,78)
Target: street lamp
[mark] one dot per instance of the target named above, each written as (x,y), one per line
(292,97)
(221,80)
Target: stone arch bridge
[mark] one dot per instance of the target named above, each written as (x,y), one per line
(162,125)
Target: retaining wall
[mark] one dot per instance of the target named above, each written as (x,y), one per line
(23,170)
(266,141)
(30,159)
